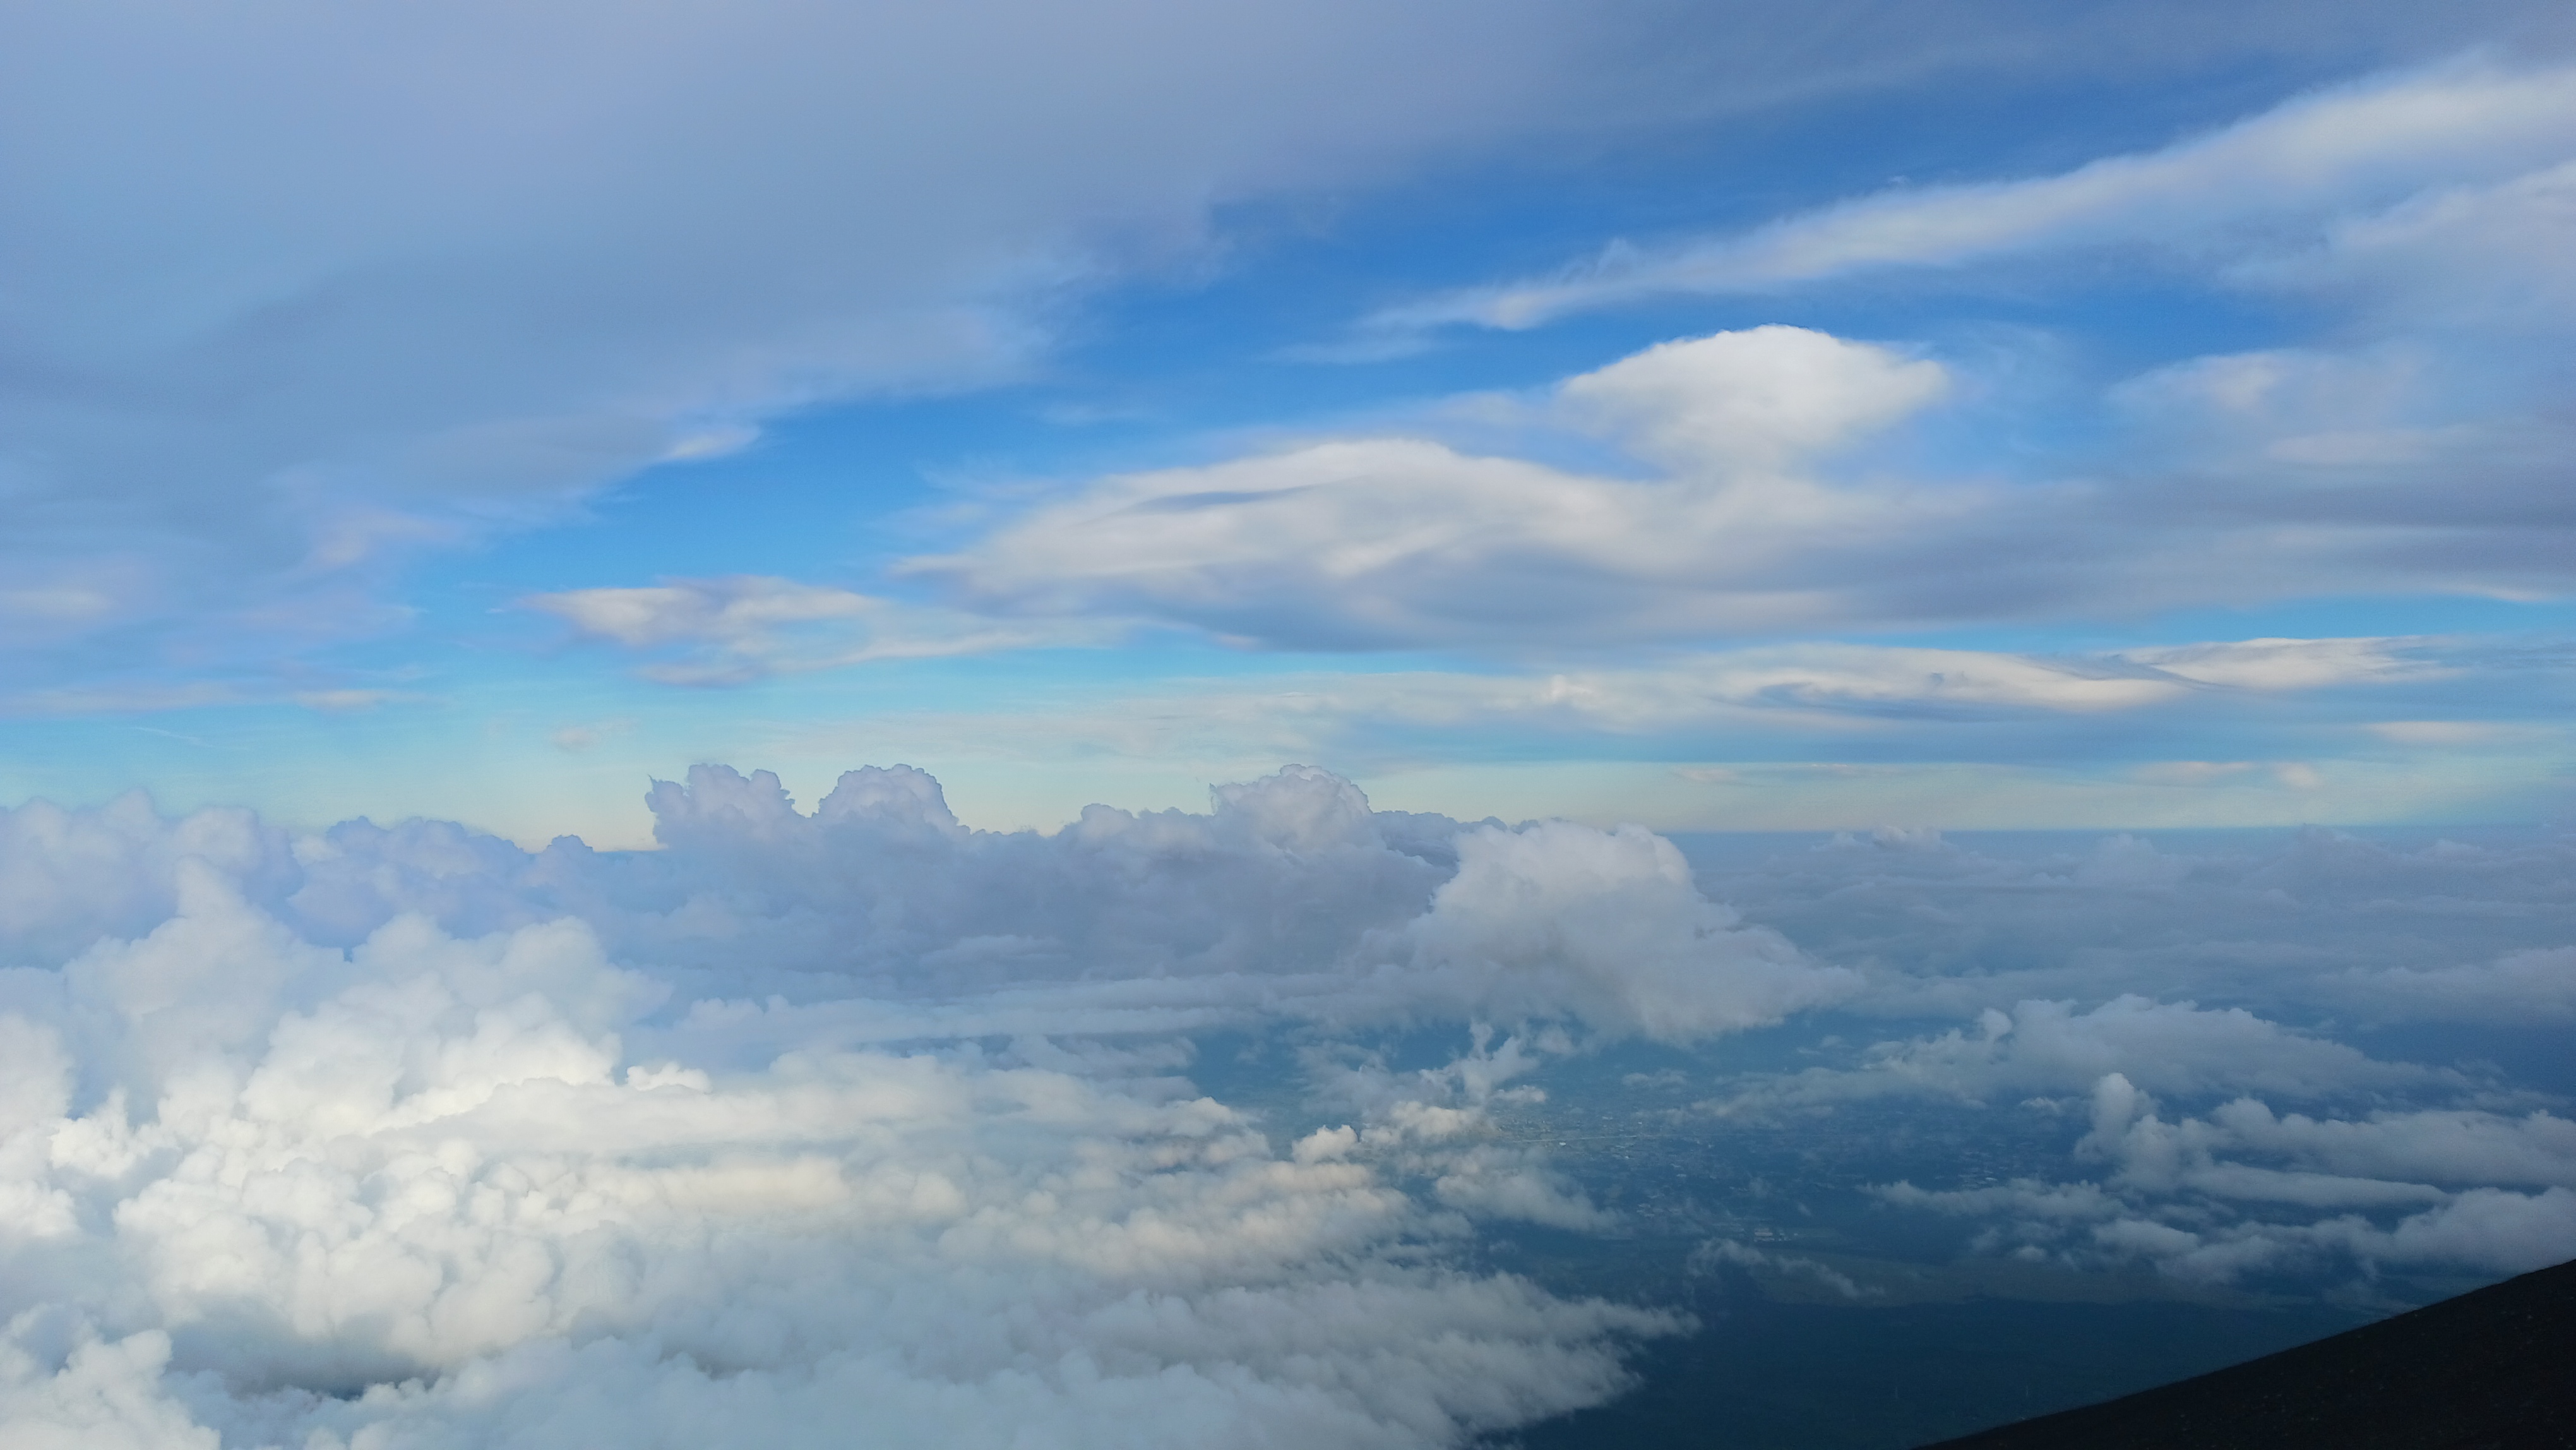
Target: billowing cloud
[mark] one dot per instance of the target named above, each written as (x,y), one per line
(1753,401)
(2120,1123)
(439,1179)
(1610,925)
(854,1117)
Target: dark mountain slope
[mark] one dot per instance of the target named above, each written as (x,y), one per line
(2492,1368)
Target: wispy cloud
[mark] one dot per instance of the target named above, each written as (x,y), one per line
(2258,189)
(737,630)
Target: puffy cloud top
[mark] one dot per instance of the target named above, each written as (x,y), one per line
(410,1137)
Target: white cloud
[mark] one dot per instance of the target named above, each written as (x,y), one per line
(2441,1146)
(1389,541)
(1761,399)
(311,290)
(484,1175)
(732,631)
(599,256)
(1789,1266)
(1385,541)
(2287,664)
(723,611)
(2049,1047)
(2526,987)
(70,876)
(2181,1197)
(322,287)
(855,1112)
(1558,916)
(408,1184)
(2284,939)
(2258,187)
(2411,445)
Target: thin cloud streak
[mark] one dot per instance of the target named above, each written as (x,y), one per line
(2251,191)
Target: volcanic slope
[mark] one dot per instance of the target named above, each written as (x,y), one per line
(2492,1368)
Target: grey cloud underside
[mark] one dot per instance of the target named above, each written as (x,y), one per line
(858,1118)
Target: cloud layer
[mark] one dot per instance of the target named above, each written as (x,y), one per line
(410,1137)
(857,1118)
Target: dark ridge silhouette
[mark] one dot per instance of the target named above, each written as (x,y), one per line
(2494,1369)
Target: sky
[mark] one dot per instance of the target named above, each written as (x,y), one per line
(1139,724)
(2065,416)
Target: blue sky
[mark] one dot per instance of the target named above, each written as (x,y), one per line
(1704,416)
(1731,444)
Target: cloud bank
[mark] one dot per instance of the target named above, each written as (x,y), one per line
(854,1123)
(2273,1132)
(844,1124)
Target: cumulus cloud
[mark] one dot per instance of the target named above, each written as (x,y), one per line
(1556,916)
(2049,1047)
(437,1180)
(2277,1135)
(854,1115)
(850,1117)
(2183,1196)
(1741,401)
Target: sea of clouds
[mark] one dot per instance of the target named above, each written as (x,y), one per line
(803,1128)
(860,1126)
